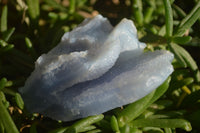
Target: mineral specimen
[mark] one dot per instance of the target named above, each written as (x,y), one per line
(95,68)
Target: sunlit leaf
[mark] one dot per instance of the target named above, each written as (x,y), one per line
(168,18)
(137,11)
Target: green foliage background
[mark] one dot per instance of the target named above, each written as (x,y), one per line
(29,28)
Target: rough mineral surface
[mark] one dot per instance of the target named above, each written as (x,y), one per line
(95,68)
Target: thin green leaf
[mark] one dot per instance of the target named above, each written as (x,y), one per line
(79,125)
(168,18)
(137,11)
(195,8)
(6,119)
(136,130)
(55,5)
(125,129)
(28,42)
(135,109)
(104,125)
(7,48)
(182,40)
(9,83)
(6,104)
(95,131)
(3,26)
(114,124)
(184,58)
(161,104)
(3,82)
(179,11)
(2,130)
(7,34)
(72,5)
(19,101)
(162,123)
(152,130)
(87,128)
(63,16)
(188,21)
(9,91)
(168,130)
(151,3)
(53,15)
(30,48)
(166,114)
(3,43)
(178,54)
(148,15)
(160,90)
(147,113)
(162,31)
(2,97)
(33,9)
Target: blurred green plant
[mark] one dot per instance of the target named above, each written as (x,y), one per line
(162,24)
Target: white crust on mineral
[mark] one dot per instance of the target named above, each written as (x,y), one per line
(94,68)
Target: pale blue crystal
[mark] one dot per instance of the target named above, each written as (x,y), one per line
(94,68)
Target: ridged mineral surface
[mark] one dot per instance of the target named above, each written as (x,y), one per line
(95,68)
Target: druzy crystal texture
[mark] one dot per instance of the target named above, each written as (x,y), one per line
(95,68)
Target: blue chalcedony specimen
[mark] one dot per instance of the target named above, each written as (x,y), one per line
(95,68)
